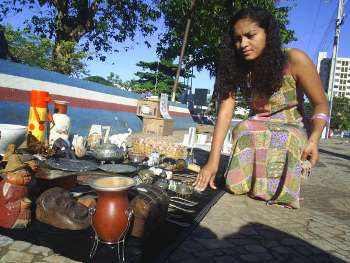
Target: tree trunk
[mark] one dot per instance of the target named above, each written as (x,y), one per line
(69,30)
(62,56)
(213,105)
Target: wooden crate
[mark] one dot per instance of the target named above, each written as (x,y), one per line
(148,108)
(157,126)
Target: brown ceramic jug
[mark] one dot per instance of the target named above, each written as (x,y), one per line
(111,217)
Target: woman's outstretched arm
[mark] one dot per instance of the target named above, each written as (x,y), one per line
(208,172)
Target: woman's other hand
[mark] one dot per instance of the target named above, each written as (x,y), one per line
(205,176)
(306,76)
(310,153)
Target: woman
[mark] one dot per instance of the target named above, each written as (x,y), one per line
(270,147)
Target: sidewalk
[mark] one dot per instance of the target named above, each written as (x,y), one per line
(239,229)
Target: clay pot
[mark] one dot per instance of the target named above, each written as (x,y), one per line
(111,217)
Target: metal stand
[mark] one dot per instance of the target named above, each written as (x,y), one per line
(120,244)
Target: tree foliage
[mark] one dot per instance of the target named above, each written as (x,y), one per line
(34,50)
(208,25)
(209,21)
(158,77)
(100,80)
(112,80)
(115,79)
(91,23)
(340,119)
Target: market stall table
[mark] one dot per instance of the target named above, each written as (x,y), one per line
(155,248)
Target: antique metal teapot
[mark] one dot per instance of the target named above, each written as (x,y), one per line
(107,152)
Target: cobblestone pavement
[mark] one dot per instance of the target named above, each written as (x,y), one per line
(240,229)
(12,251)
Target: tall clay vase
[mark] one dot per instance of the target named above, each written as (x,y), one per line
(111,217)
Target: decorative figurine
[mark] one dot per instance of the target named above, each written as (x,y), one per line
(120,139)
(37,147)
(14,203)
(57,207)
(60,126)
(34,169)
(79,144)
(31,161)
(61,148)
(9,151)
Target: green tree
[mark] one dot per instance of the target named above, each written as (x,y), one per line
(308,109)
(114,78)
(208,25)
(340,119)
(31,49)
(158,77)
(98,23)
(100,80)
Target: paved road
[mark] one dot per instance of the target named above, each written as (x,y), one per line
(239,229)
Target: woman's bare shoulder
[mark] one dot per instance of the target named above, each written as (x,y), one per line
(298,61)
(297,56)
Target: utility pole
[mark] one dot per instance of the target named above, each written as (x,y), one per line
(184,43)
(338,23)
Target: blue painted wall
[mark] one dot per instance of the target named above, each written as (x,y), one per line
(81,118)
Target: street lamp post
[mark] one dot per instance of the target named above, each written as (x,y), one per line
(338,23)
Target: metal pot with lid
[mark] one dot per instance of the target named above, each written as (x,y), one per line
(107,152)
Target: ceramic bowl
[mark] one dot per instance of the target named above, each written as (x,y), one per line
(136,158)
(11,133)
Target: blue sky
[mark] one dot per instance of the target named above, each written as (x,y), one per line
(310,19)
(314,27)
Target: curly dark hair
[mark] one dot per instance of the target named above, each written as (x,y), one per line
(266,72)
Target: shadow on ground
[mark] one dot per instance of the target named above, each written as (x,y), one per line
(339,155)
(254,242)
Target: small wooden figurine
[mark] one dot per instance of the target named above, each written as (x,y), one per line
(14,203)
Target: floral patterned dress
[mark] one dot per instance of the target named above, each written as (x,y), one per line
(265,162)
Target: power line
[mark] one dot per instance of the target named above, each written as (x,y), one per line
(326,38)
(314,24)
(346,10)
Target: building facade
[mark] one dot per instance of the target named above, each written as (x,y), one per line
(341,77)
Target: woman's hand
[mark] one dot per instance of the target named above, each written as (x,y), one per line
(311,153)
(205,176)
